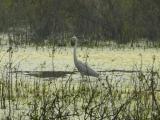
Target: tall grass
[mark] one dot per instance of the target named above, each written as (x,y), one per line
(106,98)
(33,98)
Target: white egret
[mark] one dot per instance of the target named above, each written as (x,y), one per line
(83,68)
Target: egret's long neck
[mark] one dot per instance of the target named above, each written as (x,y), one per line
(74,52)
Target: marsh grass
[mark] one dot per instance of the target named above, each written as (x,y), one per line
(105,98)
(86,99)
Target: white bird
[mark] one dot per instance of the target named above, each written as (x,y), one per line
(83,68)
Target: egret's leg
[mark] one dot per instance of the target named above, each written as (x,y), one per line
(90,82)
(83,78)
(81,82)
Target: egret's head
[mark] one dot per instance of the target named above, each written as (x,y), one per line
(74,40)
(74,37)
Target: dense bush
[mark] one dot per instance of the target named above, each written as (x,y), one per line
(120,20)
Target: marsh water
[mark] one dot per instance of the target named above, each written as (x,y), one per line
(30,62)
(43,61)
(61,58)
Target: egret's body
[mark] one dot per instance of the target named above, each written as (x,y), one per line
(83,68)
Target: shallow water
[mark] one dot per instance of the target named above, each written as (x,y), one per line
(100,59)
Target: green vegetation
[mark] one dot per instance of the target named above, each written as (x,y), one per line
(106,98)
(119,20)
(64,99)
(113,26)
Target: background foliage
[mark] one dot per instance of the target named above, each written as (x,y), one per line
(119,20)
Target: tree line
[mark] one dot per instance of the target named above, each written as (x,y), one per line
(119,20)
